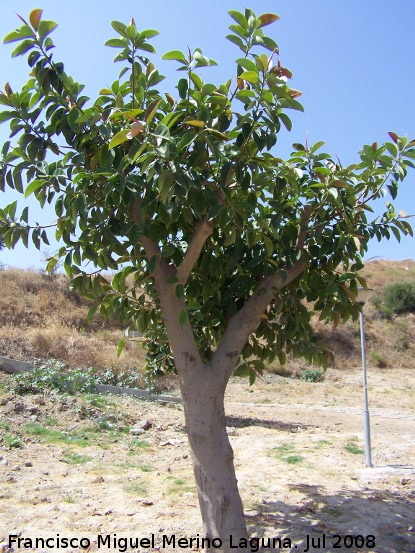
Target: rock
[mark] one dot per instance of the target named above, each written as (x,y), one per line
(98,480)
(231,430)
(19,407)
(3,401)
(144,424)
(28,464)
(141,427)
(171,442)
(137,431)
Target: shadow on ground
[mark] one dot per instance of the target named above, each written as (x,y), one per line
(243,422)
(352,515)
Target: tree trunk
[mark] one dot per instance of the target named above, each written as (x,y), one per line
(212,455)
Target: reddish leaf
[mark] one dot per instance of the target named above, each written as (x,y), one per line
(8,90)
(21,18)
(35,17)
(137,128)
(294,93)
(394,136)
(268,18)
(170,99)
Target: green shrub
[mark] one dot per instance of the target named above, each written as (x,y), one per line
(52,375)
(312,375)
(400,297)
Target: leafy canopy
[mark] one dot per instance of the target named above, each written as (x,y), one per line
(190,179)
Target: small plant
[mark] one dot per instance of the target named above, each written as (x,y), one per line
(379,360)
(179,486)
(128,377)
(76,459)
(135,488)
(70,497)
(383,311)
(13,442)
(137,445)
(286,452)
(400,297)
(312,375)
(52,375)
(352,447)
(105,424)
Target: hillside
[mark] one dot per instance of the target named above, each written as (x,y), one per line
(83,465)
(41,318)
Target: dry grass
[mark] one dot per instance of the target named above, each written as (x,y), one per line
(41,318)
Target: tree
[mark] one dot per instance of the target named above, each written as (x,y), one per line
(212,239)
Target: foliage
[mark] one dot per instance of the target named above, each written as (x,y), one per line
(129,377)
(188,191)
(312,375)
(51,375)
(400,297)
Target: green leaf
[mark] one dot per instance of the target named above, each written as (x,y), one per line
(180,291)
(269,246)
(197,81)
(182,87)
(286,121)
(149,33)
(238,41)
(24,47)
(250,76)
(183,317)
(116,43)
(119,138)
(91,313)
(121,28)
(45,28)
(33,186)
(120,347)
(175,55)
(316,146)
(247,64)
(239,18)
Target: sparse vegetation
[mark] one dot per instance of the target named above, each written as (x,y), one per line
(400,297)
(379,360)
(75,458)
(40,317)
(286,452)
(312,375)
(352,447)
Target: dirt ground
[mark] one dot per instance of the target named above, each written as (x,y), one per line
(69,471)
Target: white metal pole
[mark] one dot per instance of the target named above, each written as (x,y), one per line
(366,403)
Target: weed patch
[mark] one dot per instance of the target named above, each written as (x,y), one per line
(76,459)
(286,453)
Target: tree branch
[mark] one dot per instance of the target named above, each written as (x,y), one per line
(203,229)
(305,219)
(248,318)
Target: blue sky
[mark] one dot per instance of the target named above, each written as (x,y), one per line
(353,60)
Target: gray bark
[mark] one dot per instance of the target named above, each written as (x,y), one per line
(212,455)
